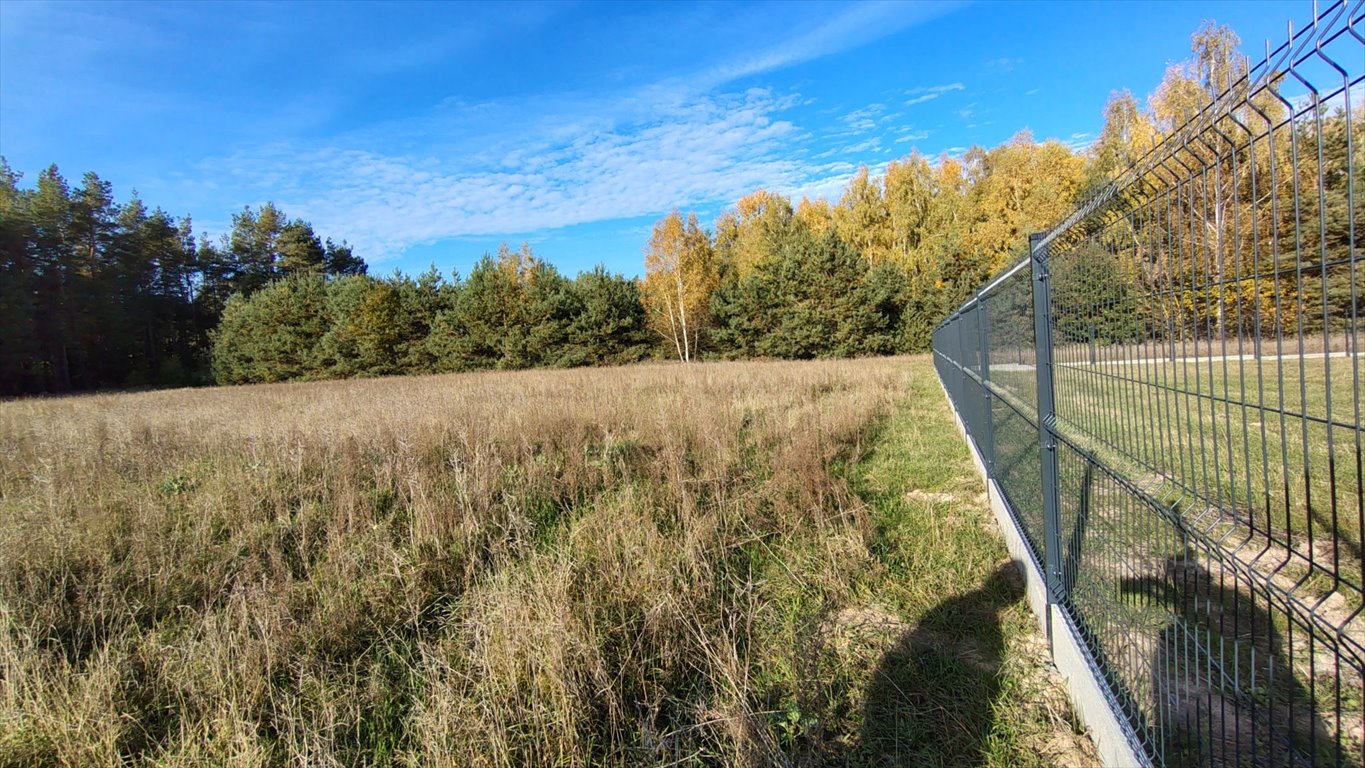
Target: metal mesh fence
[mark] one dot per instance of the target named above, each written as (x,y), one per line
(1166,392)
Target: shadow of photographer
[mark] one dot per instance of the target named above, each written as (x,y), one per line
(931,700)
(1224,690)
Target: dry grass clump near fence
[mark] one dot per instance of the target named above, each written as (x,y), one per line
(740,563)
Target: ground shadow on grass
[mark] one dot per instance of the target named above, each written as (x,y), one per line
(932,698)
(1224,686)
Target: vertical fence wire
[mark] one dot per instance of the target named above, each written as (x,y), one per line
(1192,483)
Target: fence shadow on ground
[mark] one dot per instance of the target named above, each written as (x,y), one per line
(933,695)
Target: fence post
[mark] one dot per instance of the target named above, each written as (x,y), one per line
(989,424)
(1047,419)
(962,389)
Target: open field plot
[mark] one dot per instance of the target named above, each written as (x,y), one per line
(1253,637)
(1272,442)
(1211,664)
(768,563)
(1275,442)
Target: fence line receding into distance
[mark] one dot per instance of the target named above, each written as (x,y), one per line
(1166,397)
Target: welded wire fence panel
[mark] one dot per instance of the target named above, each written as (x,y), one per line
(1202,319)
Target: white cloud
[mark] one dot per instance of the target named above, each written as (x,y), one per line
(1004,64)
(862,120)
(542,162)
(1079,142)
(862,23)
(871,145)
(705,149)
(935,88)
(929,93)
(913,136)
(826,188)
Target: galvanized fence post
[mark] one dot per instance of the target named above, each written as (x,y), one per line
(988,425)
(1047,418)
(962,374)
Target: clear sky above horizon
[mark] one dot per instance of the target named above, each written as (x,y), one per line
(427,133)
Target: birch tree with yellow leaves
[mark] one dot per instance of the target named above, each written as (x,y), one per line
(752,232)
(861,218)
(680,275)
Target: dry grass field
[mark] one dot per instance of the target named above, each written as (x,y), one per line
(721,564)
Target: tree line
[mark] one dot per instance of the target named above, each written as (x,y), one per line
(1256,240)
(870,274)
(95,294)
(513,310)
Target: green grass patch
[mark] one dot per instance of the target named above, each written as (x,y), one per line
(963,677)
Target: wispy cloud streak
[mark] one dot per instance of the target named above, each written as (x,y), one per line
(929,93)
(707,149)
(555,160)
(860,24)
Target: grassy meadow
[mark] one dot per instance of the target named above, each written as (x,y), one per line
(719,564)
(1271,440)
(1274,440)
(1263,457)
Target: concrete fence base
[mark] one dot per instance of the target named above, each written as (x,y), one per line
(1095,706)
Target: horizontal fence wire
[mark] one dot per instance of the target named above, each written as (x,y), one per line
(1203,449)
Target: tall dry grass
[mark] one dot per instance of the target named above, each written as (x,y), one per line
(614,566)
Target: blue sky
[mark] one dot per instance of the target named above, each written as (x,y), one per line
(427,133)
